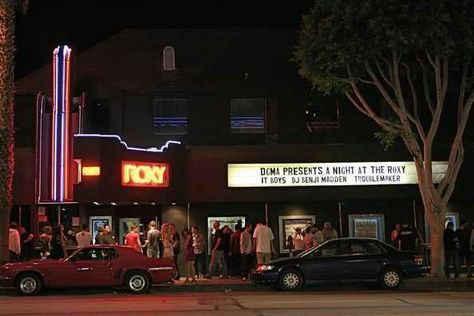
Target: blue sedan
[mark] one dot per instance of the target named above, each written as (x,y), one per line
(345,260)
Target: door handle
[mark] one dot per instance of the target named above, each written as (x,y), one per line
(84,269)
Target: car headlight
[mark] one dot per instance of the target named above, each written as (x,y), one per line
(265,267)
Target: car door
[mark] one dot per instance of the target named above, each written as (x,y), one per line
(72,272)
(326,262)
(364,261)
(102,267)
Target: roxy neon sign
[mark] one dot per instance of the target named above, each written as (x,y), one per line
(145,174)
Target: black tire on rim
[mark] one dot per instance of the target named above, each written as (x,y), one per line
(391,279)
(290,280)
(137,282)
(28,284)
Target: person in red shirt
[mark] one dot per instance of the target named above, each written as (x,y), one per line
(132,239)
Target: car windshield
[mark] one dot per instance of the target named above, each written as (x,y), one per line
(72,255)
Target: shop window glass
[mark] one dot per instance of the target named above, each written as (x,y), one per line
(170,116)
(247,115)
(369,226)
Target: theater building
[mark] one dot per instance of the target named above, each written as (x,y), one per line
(190,126)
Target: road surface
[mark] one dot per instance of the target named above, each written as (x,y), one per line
(245,303)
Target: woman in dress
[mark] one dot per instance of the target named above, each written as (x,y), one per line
(132,239)
(167,242)
(189,256)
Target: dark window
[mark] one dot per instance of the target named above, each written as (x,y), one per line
(170,116)
(247,115)
(365,248)
(333,248)
(322,112)
(95,254)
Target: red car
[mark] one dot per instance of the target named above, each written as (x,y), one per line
(94,266)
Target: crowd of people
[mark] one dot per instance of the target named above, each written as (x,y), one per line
(312,235)
(20,243)
(232,252)
(458,247)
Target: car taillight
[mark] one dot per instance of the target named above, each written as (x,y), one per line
(418,259)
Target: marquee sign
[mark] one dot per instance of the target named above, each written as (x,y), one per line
(327,174)
(145,174)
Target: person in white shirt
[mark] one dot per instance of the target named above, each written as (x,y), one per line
(246,251)
(84,237)
(263,243)
(14,245)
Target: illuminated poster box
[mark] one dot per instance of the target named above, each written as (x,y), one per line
(327,174)
(90,171)
(145,174)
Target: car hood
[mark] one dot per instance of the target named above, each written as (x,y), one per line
(283,261)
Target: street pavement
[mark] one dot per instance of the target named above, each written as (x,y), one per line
(231,303)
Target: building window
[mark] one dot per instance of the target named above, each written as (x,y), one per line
(168,58)
(370,226)
(247,115)
(322,113)
(170,116)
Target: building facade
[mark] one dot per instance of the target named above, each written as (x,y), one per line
(191,126)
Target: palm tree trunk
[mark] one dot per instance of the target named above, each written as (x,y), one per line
(7,159)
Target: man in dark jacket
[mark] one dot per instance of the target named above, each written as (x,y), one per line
(464,237)
(450,250)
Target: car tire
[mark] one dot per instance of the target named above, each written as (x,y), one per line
(390,279)
(28,284)
(290,280)
(137,282)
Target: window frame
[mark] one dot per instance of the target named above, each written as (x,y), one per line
(169,65)
(247,119)
(156,117)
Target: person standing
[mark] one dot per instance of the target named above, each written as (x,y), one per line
(263,243)
(394,235)
(58,244)
(450,250)
(84,237)
(26,240)
(108,237)
(189,257)
(226,234)
(407,238)
(176,248)
(327,233)
(199,244)
(14,246)
(45,242)
(99,236)
(132,239)
(167,241)
(246,251)
(235,251)
(217,253)
(464,235)
(152,241)
(298,241)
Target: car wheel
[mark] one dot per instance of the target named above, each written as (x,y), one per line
(391,279)
(138,282)
(28,284)
(290,280)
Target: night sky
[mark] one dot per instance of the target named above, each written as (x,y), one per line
(83,23)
